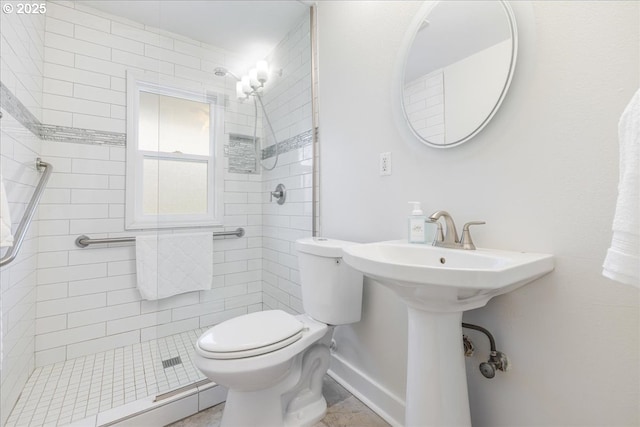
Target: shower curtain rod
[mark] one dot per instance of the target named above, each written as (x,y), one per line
(84,241)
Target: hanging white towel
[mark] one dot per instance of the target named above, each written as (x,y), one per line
(6,238)
(622,262)
(172,264)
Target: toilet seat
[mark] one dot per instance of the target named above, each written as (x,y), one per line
(250,335)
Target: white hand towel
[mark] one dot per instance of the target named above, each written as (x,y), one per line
(6,238)
(172,264)
(622,262)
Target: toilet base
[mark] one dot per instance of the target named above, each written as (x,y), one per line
(265,409)
(294,401)
(308,415)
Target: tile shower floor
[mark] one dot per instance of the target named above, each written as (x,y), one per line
(70,391)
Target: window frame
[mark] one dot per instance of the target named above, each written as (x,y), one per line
(134,214)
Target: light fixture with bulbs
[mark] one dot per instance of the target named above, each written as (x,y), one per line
(256,79)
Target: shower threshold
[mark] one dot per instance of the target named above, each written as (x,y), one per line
(156,380)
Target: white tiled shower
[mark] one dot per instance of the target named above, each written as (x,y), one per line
(87,298)
(66,306)
(20,147)
(79,389)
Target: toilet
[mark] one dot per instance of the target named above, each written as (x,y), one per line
(272,362)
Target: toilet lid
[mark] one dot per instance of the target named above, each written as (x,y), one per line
(251,335)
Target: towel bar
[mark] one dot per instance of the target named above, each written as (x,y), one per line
(84,241)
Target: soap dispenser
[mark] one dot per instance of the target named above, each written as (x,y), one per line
(417,230)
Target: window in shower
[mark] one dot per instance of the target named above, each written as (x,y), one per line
(174,156)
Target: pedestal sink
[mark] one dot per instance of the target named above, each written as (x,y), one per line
(438,285)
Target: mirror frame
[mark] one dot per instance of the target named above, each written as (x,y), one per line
(401,63)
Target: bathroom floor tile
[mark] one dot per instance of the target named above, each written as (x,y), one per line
(83,386)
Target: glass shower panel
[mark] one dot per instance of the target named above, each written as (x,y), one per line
(243,269)
(291,128)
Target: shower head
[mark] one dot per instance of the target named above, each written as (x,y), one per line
(223,72)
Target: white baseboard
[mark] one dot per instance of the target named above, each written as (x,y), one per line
(382,401)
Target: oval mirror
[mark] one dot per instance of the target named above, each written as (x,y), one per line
(457,69)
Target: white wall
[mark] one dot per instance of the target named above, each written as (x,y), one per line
(20,73)
(542,174)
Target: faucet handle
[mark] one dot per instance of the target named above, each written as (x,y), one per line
(280,194)
(466,241)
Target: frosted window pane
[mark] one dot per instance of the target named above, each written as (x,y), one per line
(148,122)
(173,187)
(171,124)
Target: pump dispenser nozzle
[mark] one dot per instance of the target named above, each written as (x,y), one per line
(417,210)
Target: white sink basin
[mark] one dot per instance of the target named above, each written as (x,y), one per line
(441,279)
(437,285)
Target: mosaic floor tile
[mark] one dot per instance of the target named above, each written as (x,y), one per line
(69,391)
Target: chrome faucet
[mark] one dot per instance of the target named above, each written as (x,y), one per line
(450,238)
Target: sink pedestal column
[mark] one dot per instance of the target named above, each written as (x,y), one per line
(436,376)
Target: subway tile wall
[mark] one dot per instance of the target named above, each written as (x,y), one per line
(21,63)
(87,54)
(288,103)
(18,150)
(87,300)
(22,56)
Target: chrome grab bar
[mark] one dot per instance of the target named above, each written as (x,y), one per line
(23,227)
(84,241)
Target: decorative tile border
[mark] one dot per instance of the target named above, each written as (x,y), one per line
(241,150)
(81,136)
(13,106)
(301,140)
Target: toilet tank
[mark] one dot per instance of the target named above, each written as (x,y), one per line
(331,290)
